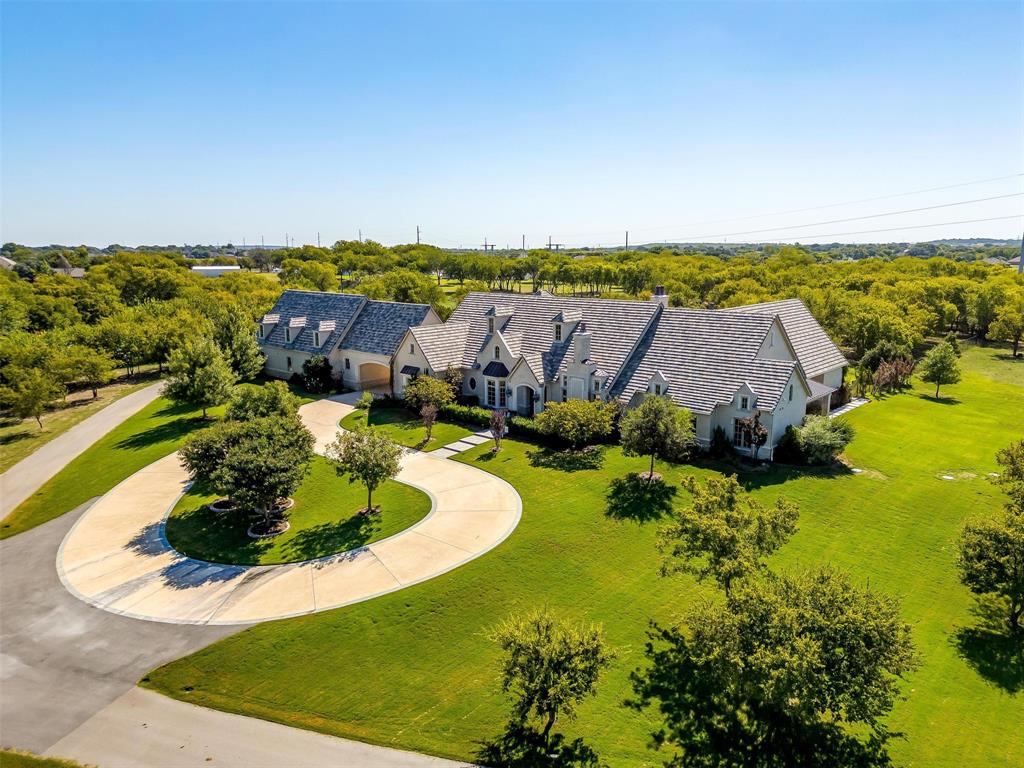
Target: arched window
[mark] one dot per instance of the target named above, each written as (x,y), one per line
(497,353)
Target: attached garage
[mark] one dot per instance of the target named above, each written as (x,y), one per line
(375,376)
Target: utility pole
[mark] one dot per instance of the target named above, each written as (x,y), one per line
(360,235)
(262,244)
(1020,259)
(627,239)
(417,234)
(317,239)
(285,239)
(524,243)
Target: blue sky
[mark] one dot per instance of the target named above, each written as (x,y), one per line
(213,122)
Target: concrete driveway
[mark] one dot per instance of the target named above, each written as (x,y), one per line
(118,558)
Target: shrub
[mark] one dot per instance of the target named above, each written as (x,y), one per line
(885,351)
(788,449)
(821,439)
(365,401)
(721,446)
(577,422)
(317,376)
(425,390)
(250,402)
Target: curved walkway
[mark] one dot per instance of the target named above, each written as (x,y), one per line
(117,558)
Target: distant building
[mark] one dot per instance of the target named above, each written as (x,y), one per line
(6,263)
(215,270)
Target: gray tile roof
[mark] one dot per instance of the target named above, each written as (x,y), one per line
(615,327)
(442,345)
(344,319)
(339,307)
(380,326)
(814,349)
(706,356)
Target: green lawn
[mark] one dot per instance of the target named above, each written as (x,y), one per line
(152,433)
(21,437)
(15,758)
(402,427)
(427,675)
(323,521)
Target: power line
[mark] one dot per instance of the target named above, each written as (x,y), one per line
(702,238)
(829,205)
(900,229)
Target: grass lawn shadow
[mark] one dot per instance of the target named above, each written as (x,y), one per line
(521,746)
(166,432)
(567,460)
(991,649)
(940,400)
(330,538)
(218,536)
(633,498)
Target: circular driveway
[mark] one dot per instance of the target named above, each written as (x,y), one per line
(117,558)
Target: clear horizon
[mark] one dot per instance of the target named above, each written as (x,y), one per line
(160,123)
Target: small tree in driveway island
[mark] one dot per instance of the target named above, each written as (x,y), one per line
(199,375)
(549,666)
(366,457)
(940,366)
(657,428)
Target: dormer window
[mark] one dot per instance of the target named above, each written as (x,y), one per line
(744,403)
(558,331)
(490,325)
(316,338)
(657,389)
(791,393)
(262,332)
(288,334)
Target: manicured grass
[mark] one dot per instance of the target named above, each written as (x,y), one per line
(324,521)
(428,677)
(402,427)
(15,758)
(21,437)
(155,431)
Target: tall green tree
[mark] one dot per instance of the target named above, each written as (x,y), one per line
(1009,322)
(235,334)
(992,561)
(725,534)
(658,428)
(198,375)
(79,364)
(940,366)
(30,392)
(254,402)
(788,672)
(549,666)
(365,456)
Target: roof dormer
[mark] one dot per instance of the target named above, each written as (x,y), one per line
(323,332)
(295,326)
(498,317)
(564,323)
(658,384)
(267,324)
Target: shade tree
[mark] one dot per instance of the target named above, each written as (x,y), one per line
(657,428)
(198,375)
(365,456)
(30,392)
(940,366)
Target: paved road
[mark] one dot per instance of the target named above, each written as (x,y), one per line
(118,558)
(28,475)
(144,728)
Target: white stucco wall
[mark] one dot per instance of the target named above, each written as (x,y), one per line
(277,361)
(403,358)
(788,412)
(832,378)
(351,376)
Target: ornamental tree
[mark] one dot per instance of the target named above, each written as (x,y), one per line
(754,432)
(317,375)
(199,375)
(498,419)
(787,671)
(549,666)
(365,456)
(577,422)
(725,534)
(657,428)
(992,561)
(428,412)
(425,390)
(940,366)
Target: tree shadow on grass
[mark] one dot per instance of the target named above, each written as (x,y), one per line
(940,400)
(14,437)
(171,430)
(331,538)
(568,460)
(633,498)
(752,478)
(220,537)
(990,648)
(521,746)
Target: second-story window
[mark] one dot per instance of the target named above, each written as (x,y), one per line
(412,350)
(558,331)
(497,353)
(791,392)
(744,403)
(316,339)
(287,334)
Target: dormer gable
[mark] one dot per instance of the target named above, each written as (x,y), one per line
(323,332)
(267,324)
(745,398)
(658,384)
(295,326)
(564,323)
(776,344)
(498,317)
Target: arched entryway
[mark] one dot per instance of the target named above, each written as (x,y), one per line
(374,376)
(524,400)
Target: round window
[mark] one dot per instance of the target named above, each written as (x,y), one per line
(472,382)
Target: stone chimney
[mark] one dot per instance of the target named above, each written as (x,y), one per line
(659,296)
(582,337)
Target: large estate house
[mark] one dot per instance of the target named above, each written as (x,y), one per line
(520,351)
